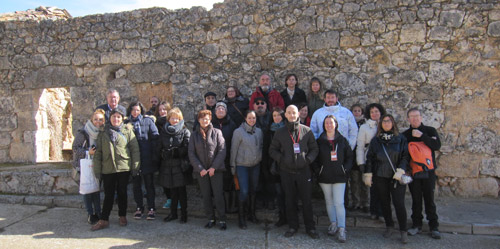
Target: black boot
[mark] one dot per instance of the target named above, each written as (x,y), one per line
(282,219)
(227,202)
(251,210)
(233,206)
(184,216)
(241,215)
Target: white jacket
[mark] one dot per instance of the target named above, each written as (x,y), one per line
(347,123)
(366,132)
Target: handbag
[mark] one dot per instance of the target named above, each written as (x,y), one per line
(88,181)
(405,179)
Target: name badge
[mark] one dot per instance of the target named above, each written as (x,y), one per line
(296,148)
(333,156)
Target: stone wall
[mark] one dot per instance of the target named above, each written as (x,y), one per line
(441,56)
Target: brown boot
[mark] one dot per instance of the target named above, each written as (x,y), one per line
(123,221)
(101,224)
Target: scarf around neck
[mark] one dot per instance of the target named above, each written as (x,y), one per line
(114,132)
(92,131)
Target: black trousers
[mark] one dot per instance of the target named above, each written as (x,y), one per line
(298,185)
(150,190)
(424,189)
(179,194)
(115,183)
(375,207)
(386,189)
(212,185)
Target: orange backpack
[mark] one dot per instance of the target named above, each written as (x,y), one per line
(421,157)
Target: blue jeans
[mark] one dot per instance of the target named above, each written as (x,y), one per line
(93,203)
(248,178)
(334,198)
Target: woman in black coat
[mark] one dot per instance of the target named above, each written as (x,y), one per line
(292,95)
(146,133)
(237,105)
(386,161)
(172,151)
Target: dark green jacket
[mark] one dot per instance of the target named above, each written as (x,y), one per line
(122,157)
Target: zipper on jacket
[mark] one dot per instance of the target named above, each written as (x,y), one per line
(343,169)
(321,170)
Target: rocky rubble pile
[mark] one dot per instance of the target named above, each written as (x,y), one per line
(38,14)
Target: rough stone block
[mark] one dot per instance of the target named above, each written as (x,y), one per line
(5,63)
(154,72)
(4,156)
(440,73)
(210,50)
(240,32)
(22,152)
(494,29)
(490,167)
(324,40)
(295,43)
(5,139)
(6,104)
(11,199)
(8,122)
(221,32)
(458,165)
(69,201)
(39,200)
(52,76)
(451,18)
(477,187)
(486,229)
(65,185)
(411,33)
(305,25)
(440,33)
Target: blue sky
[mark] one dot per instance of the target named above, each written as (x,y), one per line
(89,7)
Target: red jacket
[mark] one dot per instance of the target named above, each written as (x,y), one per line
(273,99)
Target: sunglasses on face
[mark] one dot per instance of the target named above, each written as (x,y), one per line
(260,103)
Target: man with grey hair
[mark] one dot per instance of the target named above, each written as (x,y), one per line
(293,148)
(113,98)
(272,97)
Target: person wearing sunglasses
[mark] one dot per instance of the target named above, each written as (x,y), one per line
(271,96)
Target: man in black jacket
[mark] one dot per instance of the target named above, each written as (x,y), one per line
(293,147)
(423,185)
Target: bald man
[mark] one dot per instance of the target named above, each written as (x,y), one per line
(293,147)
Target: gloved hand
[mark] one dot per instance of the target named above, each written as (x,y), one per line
(367,179)
(399,172)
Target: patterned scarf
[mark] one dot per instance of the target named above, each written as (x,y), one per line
(114,132)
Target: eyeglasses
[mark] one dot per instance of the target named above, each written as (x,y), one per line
(386,121)
(260,103)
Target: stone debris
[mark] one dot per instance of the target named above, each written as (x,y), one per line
(38,14)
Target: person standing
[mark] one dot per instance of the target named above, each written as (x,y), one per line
(154,101)
(275,188)
(172,155)
(147,134)
(271,96)
(207,151)
(315,96)
(332,168)
(294,148)
(112,98)
(117,155)
(85,140)
(293,95)
(246,154)
(237,105)
(424,182)
(367,132)
(386,162)
(347,123)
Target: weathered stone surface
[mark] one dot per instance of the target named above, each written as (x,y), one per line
(52,76)
(240,32)
(21,152)
(149,73)
(5,63)
(440,73)
(494,29)
(483,140)
(210,50)
(4,139)
(490,167)
(411,33)
(8,122)
(458,165)
(477,187)
(451,18)
(323,40)
(440,33)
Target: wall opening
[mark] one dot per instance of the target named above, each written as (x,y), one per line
(54,136)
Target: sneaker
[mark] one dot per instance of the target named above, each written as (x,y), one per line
(167,204)
(151,214)
(138,214)
(435,234)
(332,229)
(414,230)
(342,236)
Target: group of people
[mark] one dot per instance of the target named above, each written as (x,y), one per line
(272,148)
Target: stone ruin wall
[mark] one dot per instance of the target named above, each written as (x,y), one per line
(442,56)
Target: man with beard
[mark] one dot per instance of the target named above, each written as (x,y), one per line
(271,96)
(294,148)
(154,103)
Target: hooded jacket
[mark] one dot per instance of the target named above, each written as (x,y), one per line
(281,148)
(347,123)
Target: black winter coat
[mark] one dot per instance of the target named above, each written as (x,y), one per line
(378,163)
(172,153)
(281,148)
(147,135)
(430,138)
(236,109)
(227,126)
(299,96)
(207,153)
(329,171)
